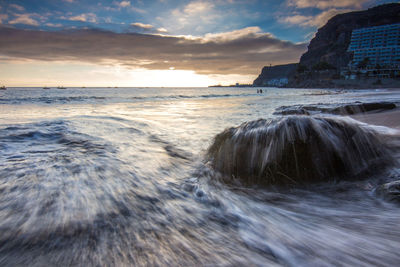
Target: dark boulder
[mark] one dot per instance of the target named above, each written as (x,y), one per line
(297,150)
(342,109)
(351,109)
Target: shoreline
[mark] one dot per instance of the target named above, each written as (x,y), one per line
(387,118)
(366,83)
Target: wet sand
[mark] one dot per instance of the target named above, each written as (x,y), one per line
(390,118)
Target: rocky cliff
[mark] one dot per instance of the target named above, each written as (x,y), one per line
(274,73)
(332,40)
(329,46)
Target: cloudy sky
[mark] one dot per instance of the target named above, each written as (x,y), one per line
(155,43)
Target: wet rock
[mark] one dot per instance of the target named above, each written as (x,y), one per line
(297,110)
(345,109)
(389,191)
(362,107)
(298,150)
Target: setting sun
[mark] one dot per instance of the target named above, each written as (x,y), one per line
(32,73)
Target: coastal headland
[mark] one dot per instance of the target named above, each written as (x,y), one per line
(329,63)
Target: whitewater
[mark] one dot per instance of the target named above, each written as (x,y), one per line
(195,177)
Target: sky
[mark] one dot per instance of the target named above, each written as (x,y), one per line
(165,43)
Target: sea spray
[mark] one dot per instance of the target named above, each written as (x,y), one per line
(299,150)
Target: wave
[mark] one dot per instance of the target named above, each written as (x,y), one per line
(50,100)
(204,96)
(298,150)
(95,99)
(172,150)
(68,197)
(74,199)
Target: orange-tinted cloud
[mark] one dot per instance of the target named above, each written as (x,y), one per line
(237,52)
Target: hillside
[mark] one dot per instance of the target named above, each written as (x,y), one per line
(275,73)
(332,40)
(329,46)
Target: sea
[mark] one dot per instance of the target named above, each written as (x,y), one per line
(120,177)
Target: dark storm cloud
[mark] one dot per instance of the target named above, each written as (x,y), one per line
(238,52)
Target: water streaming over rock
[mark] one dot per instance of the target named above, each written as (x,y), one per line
(299,150)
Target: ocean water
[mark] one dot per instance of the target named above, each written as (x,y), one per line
(118,176)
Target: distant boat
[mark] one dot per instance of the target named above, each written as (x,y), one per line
(61,87)
(3,88)
(46,87)
(83,86)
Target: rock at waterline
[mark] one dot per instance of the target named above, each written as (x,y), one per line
(389,191)
(344,109)
(298,150)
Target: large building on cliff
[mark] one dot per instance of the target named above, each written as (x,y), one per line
(379,45)
(334,49)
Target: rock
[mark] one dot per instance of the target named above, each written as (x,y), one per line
(297,150)
(389,191)
(345,109)
(362,107)
(275,72)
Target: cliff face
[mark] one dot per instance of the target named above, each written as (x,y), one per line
(330,45)
(332,40)
(275,72)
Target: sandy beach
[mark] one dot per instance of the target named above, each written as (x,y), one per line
(390,118)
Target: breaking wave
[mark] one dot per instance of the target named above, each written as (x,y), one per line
(105,99)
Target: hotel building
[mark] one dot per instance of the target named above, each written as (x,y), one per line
(380,45)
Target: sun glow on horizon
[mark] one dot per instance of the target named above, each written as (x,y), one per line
(73,74)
